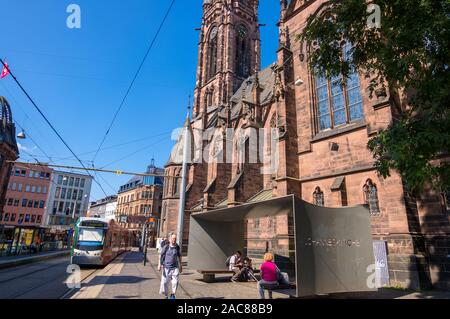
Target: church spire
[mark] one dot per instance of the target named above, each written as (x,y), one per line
(229,51)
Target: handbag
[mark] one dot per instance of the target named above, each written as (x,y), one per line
(282,277)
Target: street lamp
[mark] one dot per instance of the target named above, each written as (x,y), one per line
(22,135)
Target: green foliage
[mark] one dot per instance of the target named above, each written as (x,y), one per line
(408,55)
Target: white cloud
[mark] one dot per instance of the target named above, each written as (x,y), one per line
(25,148)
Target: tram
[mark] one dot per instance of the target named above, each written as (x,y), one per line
(98,241)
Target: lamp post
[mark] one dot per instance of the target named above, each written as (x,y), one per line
(144,236)
(186,156)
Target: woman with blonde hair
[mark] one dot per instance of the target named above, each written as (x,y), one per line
(268,275)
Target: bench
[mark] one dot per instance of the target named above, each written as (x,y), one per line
(272,287)
(209,275)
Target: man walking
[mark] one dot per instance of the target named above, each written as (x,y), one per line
(170,263)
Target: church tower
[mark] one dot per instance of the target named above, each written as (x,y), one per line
(229,51)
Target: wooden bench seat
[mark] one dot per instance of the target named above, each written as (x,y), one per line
(210,275)
(272,287)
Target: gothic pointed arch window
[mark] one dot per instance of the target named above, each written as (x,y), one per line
(338,101)
(371,197)
(242,52)
(176,184)
(270,159)
(212,54)
(318,197)
(446,201)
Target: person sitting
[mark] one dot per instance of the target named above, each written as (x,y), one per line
(236,266)
(269,275)
(248,270)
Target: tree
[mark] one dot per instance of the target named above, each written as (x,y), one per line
(408,56)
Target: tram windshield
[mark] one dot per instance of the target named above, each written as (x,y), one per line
(90,239)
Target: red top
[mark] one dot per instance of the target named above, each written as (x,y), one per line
(268,271)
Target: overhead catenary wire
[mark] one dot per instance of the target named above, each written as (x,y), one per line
(134,79)
(134,153)
(34,142)
(50,124)
(117,145)
(118,172)
(106,182)
(26,117)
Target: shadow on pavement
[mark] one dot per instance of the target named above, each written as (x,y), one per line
(116,280)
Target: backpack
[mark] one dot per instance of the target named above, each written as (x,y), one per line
(164,251)
(163,244)
(227,262)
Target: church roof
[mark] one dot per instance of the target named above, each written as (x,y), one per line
(266,79)
(263,195)
(176,156)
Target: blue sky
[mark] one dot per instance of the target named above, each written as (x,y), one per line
(79,76)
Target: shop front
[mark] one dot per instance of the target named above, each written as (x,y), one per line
(18,240)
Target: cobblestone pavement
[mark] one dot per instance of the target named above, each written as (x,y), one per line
(128,278)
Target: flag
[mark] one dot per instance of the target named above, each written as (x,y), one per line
(5,71)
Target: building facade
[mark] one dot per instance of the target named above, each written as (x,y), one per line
(8,147)
(68,199)
(26,199)
(104,208)
(321,127)
(140,199)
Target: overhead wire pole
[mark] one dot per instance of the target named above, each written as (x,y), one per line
(50,124)
(134,79)
(186,158)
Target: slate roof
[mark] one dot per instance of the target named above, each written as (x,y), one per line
(244,94)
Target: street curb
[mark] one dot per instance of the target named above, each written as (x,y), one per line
(24,261)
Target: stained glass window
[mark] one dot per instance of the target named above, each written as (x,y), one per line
(338,101)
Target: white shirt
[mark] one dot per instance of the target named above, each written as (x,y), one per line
(233,261)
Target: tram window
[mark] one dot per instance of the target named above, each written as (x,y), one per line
(91,235)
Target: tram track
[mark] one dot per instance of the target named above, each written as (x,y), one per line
(72,291)
(28,273)
(60,277)
(40,285)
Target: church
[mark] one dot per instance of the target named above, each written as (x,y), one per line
(321,127)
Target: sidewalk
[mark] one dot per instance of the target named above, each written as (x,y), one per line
(13,261)
(128,278)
